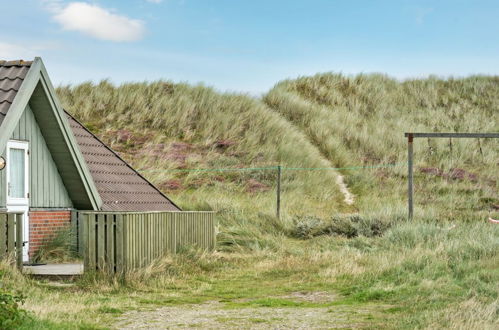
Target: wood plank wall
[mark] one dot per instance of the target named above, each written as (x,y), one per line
(11,229)
(118,242)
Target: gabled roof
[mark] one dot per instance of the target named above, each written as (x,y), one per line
(36,90)
(95,176)
(121,188)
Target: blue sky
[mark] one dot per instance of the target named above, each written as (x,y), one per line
(249,45)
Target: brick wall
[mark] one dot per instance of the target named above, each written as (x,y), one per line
(43,225)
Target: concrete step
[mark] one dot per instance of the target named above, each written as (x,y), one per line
(54,271)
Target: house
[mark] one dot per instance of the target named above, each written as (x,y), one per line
(54,165)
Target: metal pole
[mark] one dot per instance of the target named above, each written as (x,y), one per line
(410,176)
(278,191)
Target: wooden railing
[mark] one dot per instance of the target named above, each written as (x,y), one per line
(119,241)
(11,237)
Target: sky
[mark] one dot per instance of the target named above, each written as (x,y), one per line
(249,45)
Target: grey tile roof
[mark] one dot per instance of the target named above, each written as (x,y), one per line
(120,187)
(12,74)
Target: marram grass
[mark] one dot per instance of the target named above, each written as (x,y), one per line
(439,271)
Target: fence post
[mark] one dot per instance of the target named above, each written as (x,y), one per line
(74,230)
(410,191)
(19,240)
(3,234)
(279,192)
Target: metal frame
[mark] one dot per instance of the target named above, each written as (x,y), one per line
(410,156)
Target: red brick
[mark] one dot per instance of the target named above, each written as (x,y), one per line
(44,225)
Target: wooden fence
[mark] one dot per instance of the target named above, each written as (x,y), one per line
(119,241)
(11,232)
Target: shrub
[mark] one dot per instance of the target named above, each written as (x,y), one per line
(11,315)
(59,248)
(343,225)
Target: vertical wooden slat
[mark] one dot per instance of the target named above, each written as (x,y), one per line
(136,242)
(83,223)
(119,244)
(81,233)
(174,235)
(74,229)
(136,239)
(11,223)
(213,231)
(154,236)
(131,240)
(148,228)
(3,235)
(110,226)
(167,220)
(19,240)
(90,220)
(156,232)
(145,239)
(101,241)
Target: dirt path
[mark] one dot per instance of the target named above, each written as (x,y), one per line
(349,197)
(218,315)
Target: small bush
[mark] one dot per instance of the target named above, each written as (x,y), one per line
(60,248)
(343,225)
(11,315)
(307,227)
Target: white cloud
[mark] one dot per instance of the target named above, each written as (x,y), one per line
(97,22)
(154,1)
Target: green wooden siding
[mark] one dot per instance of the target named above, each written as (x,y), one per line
(46,186)
(123,241)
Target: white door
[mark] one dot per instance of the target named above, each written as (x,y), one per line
(17,186)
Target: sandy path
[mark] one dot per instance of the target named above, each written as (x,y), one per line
(349,197)
(218,315)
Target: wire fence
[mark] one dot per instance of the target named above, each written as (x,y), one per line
(277,174)
(283,168)
(435,189)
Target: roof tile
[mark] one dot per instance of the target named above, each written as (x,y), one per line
(7,96)
(12,74)
(10,84)
(120,187)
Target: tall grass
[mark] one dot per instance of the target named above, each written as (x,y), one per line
(438,271)
(159,126)
(320,121)
(361,120)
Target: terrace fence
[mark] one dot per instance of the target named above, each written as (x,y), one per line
(11,237)
(116,242)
